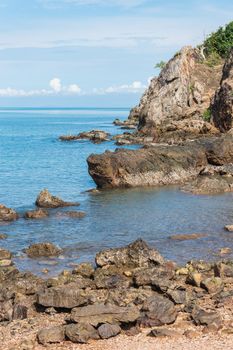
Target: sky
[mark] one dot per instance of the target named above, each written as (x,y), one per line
(87,53)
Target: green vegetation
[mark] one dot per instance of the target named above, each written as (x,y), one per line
(219,43)
(161,64)
(207,115)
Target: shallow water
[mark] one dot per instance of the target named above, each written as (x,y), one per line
(32,158)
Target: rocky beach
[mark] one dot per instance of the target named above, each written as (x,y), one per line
(179,138)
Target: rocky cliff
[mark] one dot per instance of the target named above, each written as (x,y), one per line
(222,104)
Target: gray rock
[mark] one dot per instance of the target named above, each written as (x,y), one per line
(213,285)
(19,312)
(101,313)
(81,333)
(107,331)
(51,335)
(163,332)
(207,318)
(158,311)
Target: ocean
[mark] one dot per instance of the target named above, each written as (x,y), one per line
(32,158)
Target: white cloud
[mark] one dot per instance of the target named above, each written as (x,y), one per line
(119,3)
(55,84)
(134,87)
(56,87)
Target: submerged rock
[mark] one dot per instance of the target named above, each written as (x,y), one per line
(36,214)
(72,214)
(7,214)
(187,237)
(46,249)
(46,200)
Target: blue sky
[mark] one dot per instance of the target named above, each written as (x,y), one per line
(94,52)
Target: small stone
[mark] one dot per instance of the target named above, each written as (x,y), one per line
(163,332)
(108,330)
(3,236)
(194,278)
(224,251)
(5,254)
(182,271)
(213,285)
(45,271)
(229,228)
(51,335)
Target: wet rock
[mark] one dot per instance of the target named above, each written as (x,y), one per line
(225,251)
(5,254)
(36,214)
(163,332)
(202,317)
(7,214)
(51,335)
(46,200)
(158,311)
(3,236)
(184,237)
(229,228)
(46,249)
(107,331)
(72,214)
(213,285)
(81,333)
(96,136)
(101,313)
(209,185)
(136,254)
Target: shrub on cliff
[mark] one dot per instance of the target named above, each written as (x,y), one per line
(219,43)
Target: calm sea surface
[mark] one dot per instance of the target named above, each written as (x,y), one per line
(32,158)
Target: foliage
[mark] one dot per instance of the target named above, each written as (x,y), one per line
(207,115)
(160,64)
(220,42)
(213,59)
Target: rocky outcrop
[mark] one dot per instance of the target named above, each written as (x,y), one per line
(42,250)
(222,104)
(7,214)
(160,165)
(173,106)
(96,136)
(46,200)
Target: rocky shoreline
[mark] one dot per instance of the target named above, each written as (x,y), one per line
(129,290)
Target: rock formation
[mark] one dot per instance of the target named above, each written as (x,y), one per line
(46,200)
(160,165)
(7,214)
(222,105)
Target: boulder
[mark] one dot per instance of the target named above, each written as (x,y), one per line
(20,312)
(229,228)
(5,254)
(205,185)
(101,313)
(36,214)
(158,311)
(6,310)
(206,318)
(222,104)
(81,333)
(54,334)
(84,270)
(7,214)
(46,249)
(107,330)
(136,254)
(213,285)
(46,200)
(163,332)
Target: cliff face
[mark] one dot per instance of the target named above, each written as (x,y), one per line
(183,89)
(222,104)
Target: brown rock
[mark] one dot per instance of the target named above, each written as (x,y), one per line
(3,236)
(51,335)
(107,330)
(4,254)
(36,214)
(72,214)
(213,284)
(101,313)
(46,200)
(42,250)
(229,228)
(96,136)
(163,332)
(202,317)
(7,214)
(81,333)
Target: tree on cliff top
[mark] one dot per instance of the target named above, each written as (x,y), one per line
(219,42)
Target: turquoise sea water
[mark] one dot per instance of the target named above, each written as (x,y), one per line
(32,158)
